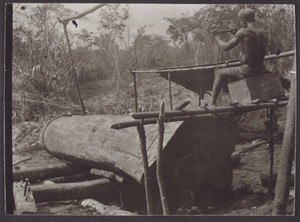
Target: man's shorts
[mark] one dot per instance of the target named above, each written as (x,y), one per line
(244,71)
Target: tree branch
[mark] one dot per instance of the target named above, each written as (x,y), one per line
(80,15)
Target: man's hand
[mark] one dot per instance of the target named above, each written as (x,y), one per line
(233,31)
(215,32)
(216,35)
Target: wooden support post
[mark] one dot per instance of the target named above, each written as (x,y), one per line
(287,152)
(148,190)
(170,90)
(135,91)
(73,68)
(159,161)
(271,149)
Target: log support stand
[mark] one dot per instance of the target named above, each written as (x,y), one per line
(148,190)
(271,128)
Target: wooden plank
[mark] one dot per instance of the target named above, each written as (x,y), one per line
(25,204)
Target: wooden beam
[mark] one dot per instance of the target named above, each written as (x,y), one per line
(214,110)
(133,123)
(230,63)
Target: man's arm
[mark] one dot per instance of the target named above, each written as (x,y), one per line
(231,43)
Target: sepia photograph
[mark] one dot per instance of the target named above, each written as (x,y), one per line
(153,109)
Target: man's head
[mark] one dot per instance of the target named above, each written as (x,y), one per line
(246,15)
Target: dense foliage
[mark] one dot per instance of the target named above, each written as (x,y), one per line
(42,81)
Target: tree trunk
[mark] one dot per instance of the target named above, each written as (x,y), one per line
(287,153)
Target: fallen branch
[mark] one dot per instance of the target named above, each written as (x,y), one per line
(69,191)
(22,160)
(40,172)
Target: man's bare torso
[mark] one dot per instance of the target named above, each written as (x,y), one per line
(254,45)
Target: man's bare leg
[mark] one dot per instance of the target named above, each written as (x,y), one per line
(217,86)
(222,77)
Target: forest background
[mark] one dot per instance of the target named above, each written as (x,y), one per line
(43,86)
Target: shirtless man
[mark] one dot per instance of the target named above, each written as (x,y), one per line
(254,44)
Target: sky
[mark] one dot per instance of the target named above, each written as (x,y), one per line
(140,15)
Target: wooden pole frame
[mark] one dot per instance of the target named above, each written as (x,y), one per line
(271,149)
(287,153)
(135,91)
(170,91)
(214,110)
(147,178)
(159,162)
(73,68)
(230,63)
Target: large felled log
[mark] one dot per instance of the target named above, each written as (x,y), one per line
(99,188)
(89,141)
